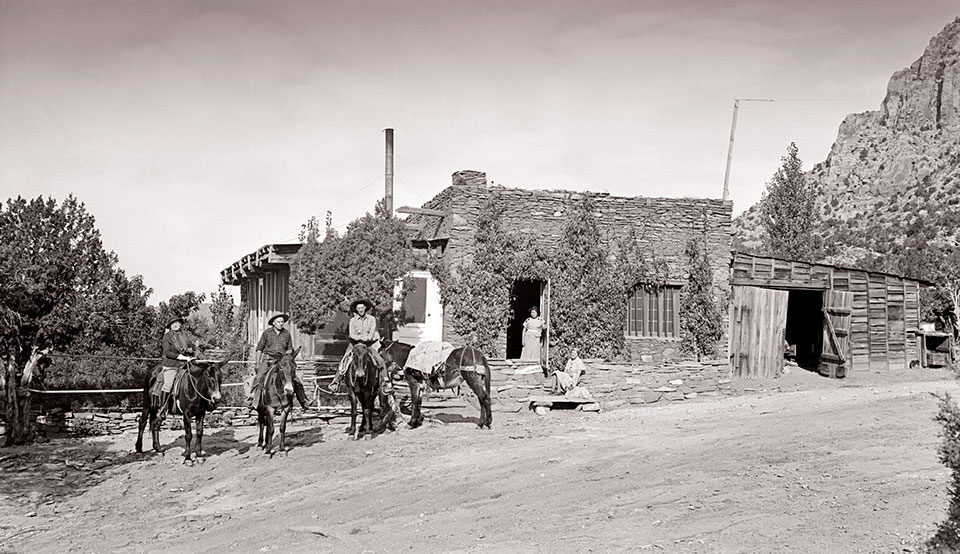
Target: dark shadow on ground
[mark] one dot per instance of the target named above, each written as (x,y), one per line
(58,469)
(302,437)
(455,418)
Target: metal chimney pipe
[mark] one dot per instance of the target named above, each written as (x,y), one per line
(388,175)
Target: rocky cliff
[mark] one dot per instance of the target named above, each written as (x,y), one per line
(894,172)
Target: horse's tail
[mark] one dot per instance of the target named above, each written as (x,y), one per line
(486,371)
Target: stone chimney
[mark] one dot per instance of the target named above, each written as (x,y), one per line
(470,178)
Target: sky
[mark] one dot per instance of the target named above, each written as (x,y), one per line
(197,132)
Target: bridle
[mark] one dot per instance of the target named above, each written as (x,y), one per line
(193,383)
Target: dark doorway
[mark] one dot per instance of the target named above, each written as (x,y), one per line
(804,331)
(525,295)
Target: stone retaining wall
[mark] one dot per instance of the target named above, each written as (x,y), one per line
(611,385)
(619,385)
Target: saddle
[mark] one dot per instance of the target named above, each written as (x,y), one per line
(156,391)
(269,380)
(429,357)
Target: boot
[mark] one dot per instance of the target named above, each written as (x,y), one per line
(301,395)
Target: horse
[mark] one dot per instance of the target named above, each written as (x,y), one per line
(463,364)
(196,392)
(276,392)
(363,385)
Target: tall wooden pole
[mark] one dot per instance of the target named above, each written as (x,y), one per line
(733,130)
(388,175)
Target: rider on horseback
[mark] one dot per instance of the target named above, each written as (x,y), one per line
(176,357)
(275,343)
(363,329)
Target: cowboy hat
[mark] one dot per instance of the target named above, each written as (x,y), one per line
(364,301)
(285,317)
(173,320)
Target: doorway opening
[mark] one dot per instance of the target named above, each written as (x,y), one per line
(804,333)
(523,296)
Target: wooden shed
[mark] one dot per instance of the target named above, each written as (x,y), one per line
(831,318)
(264,280)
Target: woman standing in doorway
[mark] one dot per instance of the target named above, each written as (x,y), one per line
(532,335)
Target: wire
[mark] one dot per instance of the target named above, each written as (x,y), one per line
(330,209)
(109,391)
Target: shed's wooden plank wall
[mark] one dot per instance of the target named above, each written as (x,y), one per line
(266,295)
(886,308)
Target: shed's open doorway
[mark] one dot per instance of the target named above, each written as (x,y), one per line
(525,295)
(804,331)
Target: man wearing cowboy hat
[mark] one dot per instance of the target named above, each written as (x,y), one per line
(176,356)
(274,343)
(363,329)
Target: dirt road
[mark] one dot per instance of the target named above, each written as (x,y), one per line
(821,466)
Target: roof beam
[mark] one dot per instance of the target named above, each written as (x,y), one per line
(421,211)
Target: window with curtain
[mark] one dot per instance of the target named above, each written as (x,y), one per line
(654,312)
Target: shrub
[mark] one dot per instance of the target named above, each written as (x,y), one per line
(947,537)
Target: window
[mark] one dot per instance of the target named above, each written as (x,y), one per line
(654,313)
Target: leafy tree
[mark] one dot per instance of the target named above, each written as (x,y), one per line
(119,327)
(701,318)
(227,319)
(56,284)
(366,262)
(947,537)
(788,210)
(314,265)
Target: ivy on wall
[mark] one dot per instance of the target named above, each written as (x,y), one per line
(477,291)
(701,315)
(591,277)
(591,283)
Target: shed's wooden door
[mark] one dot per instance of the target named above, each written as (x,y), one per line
(758,320)
(837,353)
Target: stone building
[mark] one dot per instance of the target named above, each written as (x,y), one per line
(445,226)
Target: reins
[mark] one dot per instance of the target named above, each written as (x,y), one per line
(193,382)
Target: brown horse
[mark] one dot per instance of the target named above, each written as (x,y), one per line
(363,385)
(197,392)
(463,364)
(276,392)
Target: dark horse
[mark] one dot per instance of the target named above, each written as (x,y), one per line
(276,392)
(196,392)
(363,385)
(463,364)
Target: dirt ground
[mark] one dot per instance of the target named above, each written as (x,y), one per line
(801,464)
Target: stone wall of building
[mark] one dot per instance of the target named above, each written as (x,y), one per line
(662,226)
